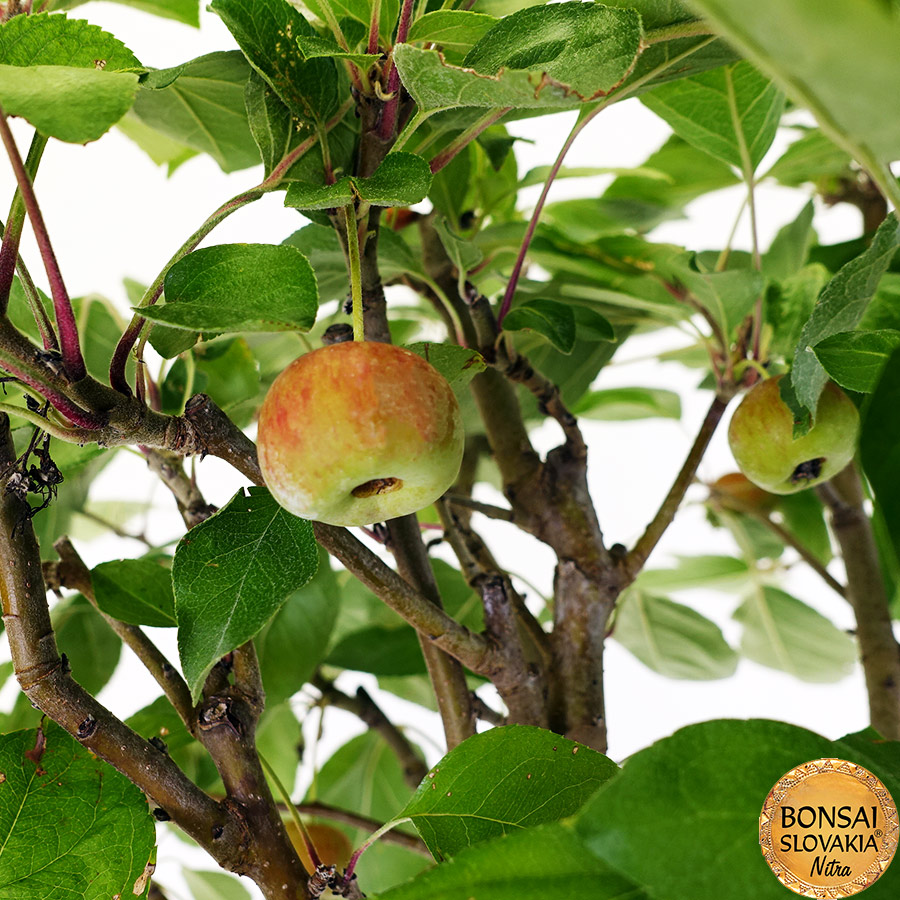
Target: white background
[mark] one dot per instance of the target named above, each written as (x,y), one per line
(113,214)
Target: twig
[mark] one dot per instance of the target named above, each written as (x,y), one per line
(69,343)
(363,706)
(486,509)
(391,108)
(463,139)
(332,813)
(12,234)
(638,555)
(879,651)
(168,466)
(486,713)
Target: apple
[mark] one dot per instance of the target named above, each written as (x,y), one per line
(359,432)
(332,846)
(734,490)
(762,442)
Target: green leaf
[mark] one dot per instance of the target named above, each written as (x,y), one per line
(456,28)
(266,30)
(279,740)
(465,255)
(402,179)
(163,150)
(200,105)
(703,788)
(794,43)
(880,446)
(790,248)
(73,105)
(729,296)
(854,359)
(313,46)
(722,572)
(804,516)
(458,365)
(783,633)
(839,308)
(626,404)
(524,865)
(380,651)
(45,40)
(548,318)
(685,174)
(502,780)
(90,645)
(587,48)
(214,886)
(184,11)
(811,158)
(137,591)
(677,58)
(293,644)
(232,573)
(365,776)
(436,85)
(239,287)
(731,113)
(672,639)
(96,833)
(788,305)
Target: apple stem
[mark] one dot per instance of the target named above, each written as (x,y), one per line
(359,332)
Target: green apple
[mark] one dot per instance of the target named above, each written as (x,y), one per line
(359,432)
(762,441)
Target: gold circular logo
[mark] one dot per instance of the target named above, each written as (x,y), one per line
(828,829)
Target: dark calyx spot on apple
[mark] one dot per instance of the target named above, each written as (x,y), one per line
(377,486)
(808,471)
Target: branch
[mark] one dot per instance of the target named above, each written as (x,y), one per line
(879,651)
(442,630)
(486,509)
(446,673)
(47,683)
(169,468)
(638,555)
(365,708)
(71,572)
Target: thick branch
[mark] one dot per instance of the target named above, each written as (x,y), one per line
(363,706)
(879,651)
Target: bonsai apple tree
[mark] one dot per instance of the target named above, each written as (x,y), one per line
(362,537)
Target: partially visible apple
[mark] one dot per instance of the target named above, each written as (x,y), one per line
(734,490)
(359,432)
(762,441)
(332,846)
